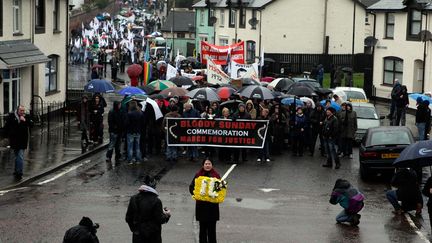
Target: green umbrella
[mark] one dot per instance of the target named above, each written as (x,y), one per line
(161,84)
(129,98)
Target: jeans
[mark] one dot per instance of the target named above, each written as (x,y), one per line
(171,152)
(344,217)
(19,161)
(421,127)
(392,197)
(133,144)
(330,149)
(115,140)
(192,152)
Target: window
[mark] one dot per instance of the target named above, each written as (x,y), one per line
(250,51)
(210,15)
(232,18)
(414,24)
(16,11)
(223,42)
(1,17)
(254,16)
(202,17)
(56,16)
(40,16)
(11,88)
(389,28)
(393,69)
(180,35)
(51,74)
(222,18)
(367,19)
(242,19)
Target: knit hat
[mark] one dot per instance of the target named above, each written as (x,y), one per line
(242,104)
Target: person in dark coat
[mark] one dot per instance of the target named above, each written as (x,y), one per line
(145,214)
(244,115)
(206,213)
(279,122)
(330,134)
(134,123)
(84,232)
(407,192)
(116,120)
(397,87)
(422,118)
(317,118)
(401,104)
(298,132)
(264,153)
(83,117)
(96,119)
(350,199)
(348,128)
(17,126)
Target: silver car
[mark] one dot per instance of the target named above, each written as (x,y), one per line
(367,117)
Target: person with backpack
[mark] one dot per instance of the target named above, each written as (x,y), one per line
(350,199)
(145,214)
(84,232)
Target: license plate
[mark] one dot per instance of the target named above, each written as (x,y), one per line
(390,156)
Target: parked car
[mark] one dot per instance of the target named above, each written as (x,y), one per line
(312,82)
(367,117)
(353,94)
(381,146)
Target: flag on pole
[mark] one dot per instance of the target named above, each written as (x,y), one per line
(147,70)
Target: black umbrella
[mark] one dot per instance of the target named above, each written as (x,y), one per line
(249,81)
(147,89)
(204,94)
(417,154)
(230,103)
(181,80)
(256,92)
(300,89)
(158,96)
(281,84)
(323,91)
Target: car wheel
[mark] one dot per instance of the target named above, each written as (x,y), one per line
(364,172)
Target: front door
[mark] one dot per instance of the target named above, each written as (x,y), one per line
(11,82)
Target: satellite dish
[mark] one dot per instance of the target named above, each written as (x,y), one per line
(212,20)
(425,35)
(370,41)
(253,22)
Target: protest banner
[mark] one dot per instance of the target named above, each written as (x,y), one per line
(219,54)
(238,70)
(252,74)
(216,133)
(215,75)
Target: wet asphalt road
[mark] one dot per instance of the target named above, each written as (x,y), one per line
(297,210)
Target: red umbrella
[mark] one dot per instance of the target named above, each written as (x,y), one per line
(225,92)
(195,78)
(267,79)
(97,66)
(175,91)
(133,72)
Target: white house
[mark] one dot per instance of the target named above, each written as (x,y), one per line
(294,26)
(33,52)
(401,52)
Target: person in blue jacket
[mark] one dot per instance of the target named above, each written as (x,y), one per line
(350,199)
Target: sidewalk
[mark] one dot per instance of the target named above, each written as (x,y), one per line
(51,150)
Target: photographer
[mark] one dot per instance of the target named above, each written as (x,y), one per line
(84,232)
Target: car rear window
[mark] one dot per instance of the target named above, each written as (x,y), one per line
(354,95)
(389,138)
(365,112)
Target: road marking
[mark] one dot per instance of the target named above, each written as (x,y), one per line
(63,173)
(12,190)
(418,232)
(268,189)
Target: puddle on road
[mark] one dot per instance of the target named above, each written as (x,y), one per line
(250,203)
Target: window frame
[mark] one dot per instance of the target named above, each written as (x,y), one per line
(1,17)
(387,24)
(242,18)
(222,18)
(53,59)
(16,20)
(250,53)
(254,15)
(211,13)
(410,22)
(223,39)
(56,16)
(180,35)
(393,71)
(232,18)
(202,14)
(40,21)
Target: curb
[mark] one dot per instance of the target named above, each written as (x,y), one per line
(56,168)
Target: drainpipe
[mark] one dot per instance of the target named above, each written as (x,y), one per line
(67,52)
(32,78)
(260,45)
(424,55)
(325,27)
(353,35)
(373,55)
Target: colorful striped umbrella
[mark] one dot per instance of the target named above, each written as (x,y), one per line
(159,85)
(147,72)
